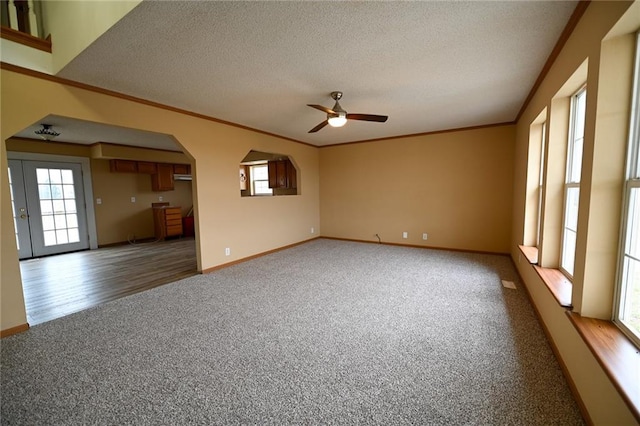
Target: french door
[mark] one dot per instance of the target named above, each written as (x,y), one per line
(48,207)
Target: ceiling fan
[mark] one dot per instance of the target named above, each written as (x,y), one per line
(337,117)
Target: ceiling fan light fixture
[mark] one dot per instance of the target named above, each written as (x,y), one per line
(47,133)
(338,120)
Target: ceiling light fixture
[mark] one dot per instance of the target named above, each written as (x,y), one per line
(47,133)
(338,120)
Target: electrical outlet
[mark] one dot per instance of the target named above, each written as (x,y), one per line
(227,251)
(424,236)
(133,199)
(98,200)
(160,198)
(313,231)
(405,235)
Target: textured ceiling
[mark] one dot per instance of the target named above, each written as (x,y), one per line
(427,65)
(87,133)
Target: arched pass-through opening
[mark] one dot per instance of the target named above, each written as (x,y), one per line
(138,190)
(267,174)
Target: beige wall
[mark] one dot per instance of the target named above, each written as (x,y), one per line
(74,25)
(117,218)
(607,77)
(456,187)
(247,225)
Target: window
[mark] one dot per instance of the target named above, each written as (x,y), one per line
(543,140)
(260,180)
(627,309)
(572,182)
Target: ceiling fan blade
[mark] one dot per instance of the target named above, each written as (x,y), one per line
(319,126)
(367,117)
(321,108)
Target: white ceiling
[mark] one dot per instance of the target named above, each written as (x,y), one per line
(427,65)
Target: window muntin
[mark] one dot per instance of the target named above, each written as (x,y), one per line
(572,182)
(627,304)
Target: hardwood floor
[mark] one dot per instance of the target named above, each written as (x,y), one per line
(56,286)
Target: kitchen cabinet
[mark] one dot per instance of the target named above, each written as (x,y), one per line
(167,221)
(162,180)
(123,166)
(282,174)
(147,167)
(182,169)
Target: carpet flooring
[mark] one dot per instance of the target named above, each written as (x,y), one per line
(328,332)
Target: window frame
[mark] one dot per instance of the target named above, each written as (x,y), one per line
(569,182)
(253,181)
(541,187)
(631,182)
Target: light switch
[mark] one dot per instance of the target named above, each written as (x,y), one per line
(98,200)
(133,199)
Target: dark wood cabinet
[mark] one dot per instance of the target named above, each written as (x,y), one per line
(162,180)
(147,167)
(161,173)
(182,169)
(123,166)
(282,174)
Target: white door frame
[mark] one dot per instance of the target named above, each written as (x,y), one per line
(85,162)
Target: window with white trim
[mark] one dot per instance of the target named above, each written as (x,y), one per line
(260,180)
(543,143)
(572,182)
(627,304)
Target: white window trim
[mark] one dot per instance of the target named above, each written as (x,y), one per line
(632,181)
(541,188)
(568,184)
(253,182)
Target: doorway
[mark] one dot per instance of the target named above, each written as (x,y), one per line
(48,204)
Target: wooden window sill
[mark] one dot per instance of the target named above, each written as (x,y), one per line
(619,358)
(26,39)
(558,284)
(531,253)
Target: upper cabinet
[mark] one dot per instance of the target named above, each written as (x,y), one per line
(162,180)
(282,174)
(126,166)
(161,173)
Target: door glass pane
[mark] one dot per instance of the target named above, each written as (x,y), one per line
(61,236)
(43,175)
(44,192)
(48,223)
(67,176)
(56,192)
(55,175)
(72,221)
(46,207)
(74,235)
(68,191)
(58,206)
(70,206)
(49,238)
(60,221)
